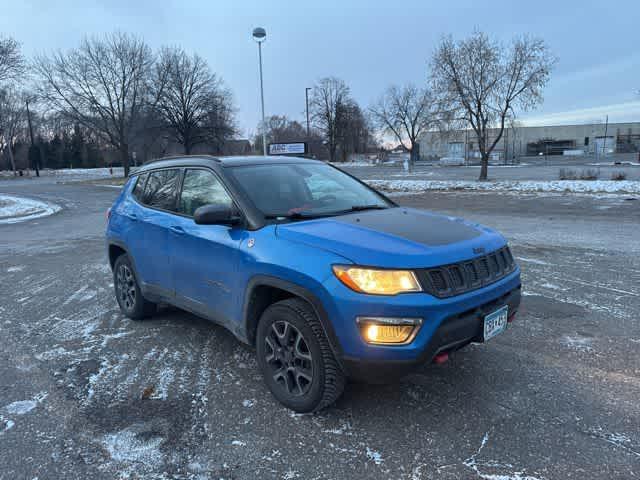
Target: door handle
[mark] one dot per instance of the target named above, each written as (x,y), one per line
(132,216)
(177,230)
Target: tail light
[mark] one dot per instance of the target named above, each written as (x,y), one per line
(108,213)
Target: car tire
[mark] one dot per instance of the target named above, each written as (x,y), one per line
(295,358)
(127,291)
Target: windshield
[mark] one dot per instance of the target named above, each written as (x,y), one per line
(305,190)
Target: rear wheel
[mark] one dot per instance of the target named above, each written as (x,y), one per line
(295,357)
(128,293)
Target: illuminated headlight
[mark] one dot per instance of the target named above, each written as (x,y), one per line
(388,330)
(377,282)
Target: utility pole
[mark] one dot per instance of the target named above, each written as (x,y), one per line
(306,96)
(35,162)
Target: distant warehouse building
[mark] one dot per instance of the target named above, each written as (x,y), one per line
(596,139)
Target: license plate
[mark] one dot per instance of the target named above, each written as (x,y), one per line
(495,323)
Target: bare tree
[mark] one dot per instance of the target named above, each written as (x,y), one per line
(11,60)
(192,101)
(279,129)
(406,113)
(12,122)
(353,129)
(103,85)
(329,97)
(485,82)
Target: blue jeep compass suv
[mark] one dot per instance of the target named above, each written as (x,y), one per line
(326,277)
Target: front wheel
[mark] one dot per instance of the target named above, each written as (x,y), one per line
(295,357)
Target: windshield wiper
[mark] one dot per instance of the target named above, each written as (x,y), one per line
(292,216)
(305,214)
(360,208)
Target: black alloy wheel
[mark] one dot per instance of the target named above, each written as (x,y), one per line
(288,357)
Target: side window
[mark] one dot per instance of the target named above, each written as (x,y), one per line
(161,189)
(139,187)
(199,188)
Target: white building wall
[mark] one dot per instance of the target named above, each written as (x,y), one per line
(437,144)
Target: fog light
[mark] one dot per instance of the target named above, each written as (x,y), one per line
(388,330)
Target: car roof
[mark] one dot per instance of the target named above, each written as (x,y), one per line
(209,160)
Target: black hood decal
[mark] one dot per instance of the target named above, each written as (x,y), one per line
(427,229)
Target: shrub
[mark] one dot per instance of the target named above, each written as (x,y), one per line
(589,174)
(567,174)
(619,176)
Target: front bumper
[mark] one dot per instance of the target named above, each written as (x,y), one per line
(453,333)
(448,324)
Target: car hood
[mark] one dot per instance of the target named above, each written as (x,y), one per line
(395,237)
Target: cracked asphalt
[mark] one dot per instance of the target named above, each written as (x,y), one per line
(86,393)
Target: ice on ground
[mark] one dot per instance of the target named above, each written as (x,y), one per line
(238,443)
(19,209)
(16,268)
(558,186)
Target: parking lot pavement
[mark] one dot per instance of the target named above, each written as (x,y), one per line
(86,393)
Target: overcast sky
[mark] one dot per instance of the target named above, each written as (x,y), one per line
(370,44)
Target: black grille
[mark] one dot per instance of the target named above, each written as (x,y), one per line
(450,280)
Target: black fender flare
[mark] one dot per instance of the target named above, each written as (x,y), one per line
(122,245)
(299,291)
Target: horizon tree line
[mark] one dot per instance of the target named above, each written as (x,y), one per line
(112,95)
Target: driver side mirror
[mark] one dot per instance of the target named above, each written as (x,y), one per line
(216,215)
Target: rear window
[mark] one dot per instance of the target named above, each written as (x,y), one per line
(161,189)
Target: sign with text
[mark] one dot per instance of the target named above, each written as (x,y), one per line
(296,148)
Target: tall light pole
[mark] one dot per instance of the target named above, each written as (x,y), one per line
(260,35)
(306,97)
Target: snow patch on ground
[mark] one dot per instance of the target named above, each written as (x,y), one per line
(619,440)
(559,186)
(551,286)
(167,376)
(614,164)
(533,260)
(6,424)
(344,427)
(19,209)
(16,268)
(131,446)
(353,164)
(87,172)
(22,407)
(578,342)
(374,456)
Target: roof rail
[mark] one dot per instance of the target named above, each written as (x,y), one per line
(178,157)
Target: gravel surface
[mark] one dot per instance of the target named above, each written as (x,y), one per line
(86,393)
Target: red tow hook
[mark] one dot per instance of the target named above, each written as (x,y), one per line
(512,317)
(440,358)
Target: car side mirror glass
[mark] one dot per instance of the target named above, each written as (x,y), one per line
(216,215)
